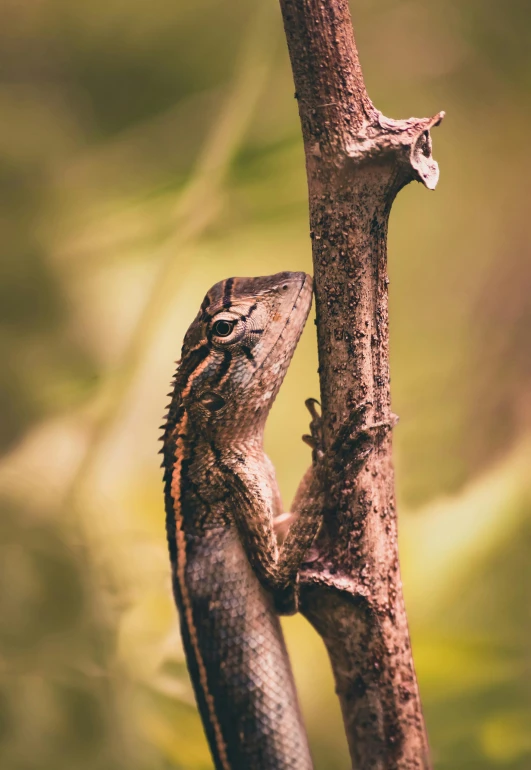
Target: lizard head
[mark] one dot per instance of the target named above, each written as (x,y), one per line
(236,352)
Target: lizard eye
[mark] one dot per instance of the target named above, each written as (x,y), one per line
(223,328)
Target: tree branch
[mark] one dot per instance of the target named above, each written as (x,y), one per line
(357,160)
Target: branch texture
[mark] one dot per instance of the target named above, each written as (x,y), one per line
(357,160)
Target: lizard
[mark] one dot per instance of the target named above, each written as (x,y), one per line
(230,573)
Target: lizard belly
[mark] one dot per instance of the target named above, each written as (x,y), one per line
(237,658)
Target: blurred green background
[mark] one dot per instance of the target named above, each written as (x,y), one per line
(147,150)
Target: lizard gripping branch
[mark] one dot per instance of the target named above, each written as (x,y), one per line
(221,500)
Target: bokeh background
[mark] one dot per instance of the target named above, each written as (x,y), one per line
(147,150)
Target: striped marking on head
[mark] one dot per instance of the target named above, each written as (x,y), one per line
(249,312)
(248,354)
(223,370)
(204,349)
(227,293)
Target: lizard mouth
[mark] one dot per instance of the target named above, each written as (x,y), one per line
(305,285)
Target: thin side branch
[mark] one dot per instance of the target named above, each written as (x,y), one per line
(357,160)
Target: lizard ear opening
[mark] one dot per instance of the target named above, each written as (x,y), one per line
(212,401)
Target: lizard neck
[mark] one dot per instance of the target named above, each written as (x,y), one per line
(246,442)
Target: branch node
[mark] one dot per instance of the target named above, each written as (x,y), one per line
(425,167)
(406,142)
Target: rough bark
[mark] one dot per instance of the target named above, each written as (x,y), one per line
(357,160)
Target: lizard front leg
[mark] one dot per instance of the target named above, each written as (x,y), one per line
(275,566)
(354,442)
(277,563)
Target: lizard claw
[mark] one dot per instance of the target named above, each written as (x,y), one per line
(310,405)
(355,427)
(355,439)
(315,440)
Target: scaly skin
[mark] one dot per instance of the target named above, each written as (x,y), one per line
(221,501)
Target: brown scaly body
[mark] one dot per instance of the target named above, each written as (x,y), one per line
(221,500)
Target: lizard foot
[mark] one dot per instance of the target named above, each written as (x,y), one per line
(315,438)
(355,439)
